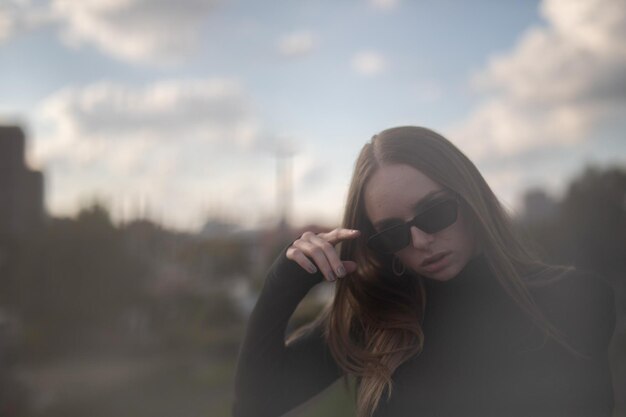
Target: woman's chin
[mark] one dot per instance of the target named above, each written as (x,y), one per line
(443,275)
(443,270)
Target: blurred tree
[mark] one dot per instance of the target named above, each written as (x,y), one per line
(77,280)
(588,227)
(593,219)
(217,258)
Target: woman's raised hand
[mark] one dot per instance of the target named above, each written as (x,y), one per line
(312,251)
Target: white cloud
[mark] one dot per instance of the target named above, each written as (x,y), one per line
(6,23)
(369,63)
(594,24)
(384,4)
(18,16)
(297,44)
(209,111)
(501,128)
(160,32)
(311,171)
(558,84)
(177,146)
(152,31)
(166,142)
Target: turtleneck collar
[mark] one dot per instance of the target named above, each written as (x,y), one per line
(475,291)
(476,273)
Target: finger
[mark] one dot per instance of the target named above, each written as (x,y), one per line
(337,235)
(349,266)
(318,256)
(300,258)
(331,255)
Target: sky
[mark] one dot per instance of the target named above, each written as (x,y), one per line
(179,110)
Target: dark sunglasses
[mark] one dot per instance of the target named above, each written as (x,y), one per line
(436,217)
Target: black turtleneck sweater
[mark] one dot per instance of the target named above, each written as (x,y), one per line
(482,355)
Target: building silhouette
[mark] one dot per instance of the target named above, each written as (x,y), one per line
(21,189)
(538,206)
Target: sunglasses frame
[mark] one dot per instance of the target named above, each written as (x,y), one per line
(406,226)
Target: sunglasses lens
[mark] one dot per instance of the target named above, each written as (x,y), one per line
(438,218)
(432,220)
(390,240)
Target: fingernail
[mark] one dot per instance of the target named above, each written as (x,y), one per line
(312,269)
(332,277)
(341,271)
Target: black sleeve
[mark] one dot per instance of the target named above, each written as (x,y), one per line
(271,377)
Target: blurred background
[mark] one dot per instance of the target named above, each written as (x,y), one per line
(155,157)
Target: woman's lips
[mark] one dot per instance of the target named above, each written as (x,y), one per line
(436,262)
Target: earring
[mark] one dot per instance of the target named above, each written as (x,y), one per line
(397,270)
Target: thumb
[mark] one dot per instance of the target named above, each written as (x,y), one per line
(350,266)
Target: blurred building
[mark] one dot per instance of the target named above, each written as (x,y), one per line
(216,228)
(21,189)
(538,206)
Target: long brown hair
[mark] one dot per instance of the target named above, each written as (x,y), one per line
(371,326)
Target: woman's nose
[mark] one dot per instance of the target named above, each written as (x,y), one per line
(421,239)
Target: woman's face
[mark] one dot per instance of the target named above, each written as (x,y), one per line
(392,195)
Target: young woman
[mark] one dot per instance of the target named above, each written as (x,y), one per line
(439,309)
